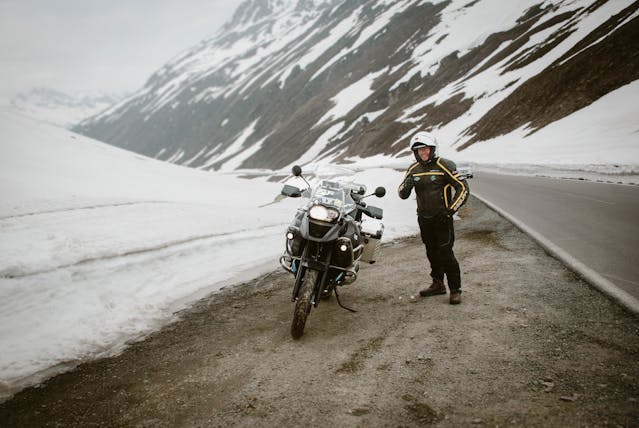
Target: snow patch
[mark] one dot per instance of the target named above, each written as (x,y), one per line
(349,97)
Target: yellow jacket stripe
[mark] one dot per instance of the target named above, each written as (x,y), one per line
(428,173)
(412,167)
(462,194)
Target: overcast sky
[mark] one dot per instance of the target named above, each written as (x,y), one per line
(106,45)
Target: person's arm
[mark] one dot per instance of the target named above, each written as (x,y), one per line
(460,185)
(408,183)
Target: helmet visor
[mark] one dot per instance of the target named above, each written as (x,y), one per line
(418,144)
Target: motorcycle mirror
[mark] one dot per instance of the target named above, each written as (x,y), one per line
(380,191)
(297,172)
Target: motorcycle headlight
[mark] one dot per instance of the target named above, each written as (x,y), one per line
(322,213)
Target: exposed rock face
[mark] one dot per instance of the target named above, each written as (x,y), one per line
(354,78)
(601,62)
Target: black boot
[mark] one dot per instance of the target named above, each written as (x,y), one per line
(455,297)
(437,287)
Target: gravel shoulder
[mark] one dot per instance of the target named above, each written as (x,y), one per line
(531,345)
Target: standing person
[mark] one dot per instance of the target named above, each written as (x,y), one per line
(433,179)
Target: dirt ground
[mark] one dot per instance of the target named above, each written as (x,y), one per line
(531,345)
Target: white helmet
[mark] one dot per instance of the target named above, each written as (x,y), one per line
(422,139)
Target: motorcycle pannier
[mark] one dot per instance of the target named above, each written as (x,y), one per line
(372,237)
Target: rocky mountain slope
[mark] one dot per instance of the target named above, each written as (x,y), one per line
(297,80)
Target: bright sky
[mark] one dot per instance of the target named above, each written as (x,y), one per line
(89,45)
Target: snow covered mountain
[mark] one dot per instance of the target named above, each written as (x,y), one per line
(299,80)
(58,108)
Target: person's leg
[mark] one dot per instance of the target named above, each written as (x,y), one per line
(445,236)
(429,238)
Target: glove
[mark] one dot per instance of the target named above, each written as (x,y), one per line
(443,216)
(409,182)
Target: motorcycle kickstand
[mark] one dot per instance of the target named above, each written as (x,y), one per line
(340,303)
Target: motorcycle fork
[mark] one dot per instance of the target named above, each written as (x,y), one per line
(319,287)
(307,263)
(299,276)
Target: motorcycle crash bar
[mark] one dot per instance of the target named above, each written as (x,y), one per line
(286,261)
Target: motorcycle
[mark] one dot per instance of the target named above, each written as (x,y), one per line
(326,242)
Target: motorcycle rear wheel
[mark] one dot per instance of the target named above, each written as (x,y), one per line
(303,304)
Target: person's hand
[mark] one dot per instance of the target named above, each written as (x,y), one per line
(409,182)
(445,215)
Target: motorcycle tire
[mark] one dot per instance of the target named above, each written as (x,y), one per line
(303,304)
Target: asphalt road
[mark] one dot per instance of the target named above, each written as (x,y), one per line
(596,223)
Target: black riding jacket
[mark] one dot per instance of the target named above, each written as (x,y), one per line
(434,181)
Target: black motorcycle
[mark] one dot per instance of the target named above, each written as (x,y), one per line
(326,242)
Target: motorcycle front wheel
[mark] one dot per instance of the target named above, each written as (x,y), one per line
(303,304)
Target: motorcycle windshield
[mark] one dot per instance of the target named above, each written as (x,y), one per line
(334,194)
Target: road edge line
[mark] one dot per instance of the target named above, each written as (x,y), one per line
(589,275)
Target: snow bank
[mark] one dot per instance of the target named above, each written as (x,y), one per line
(99,246)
